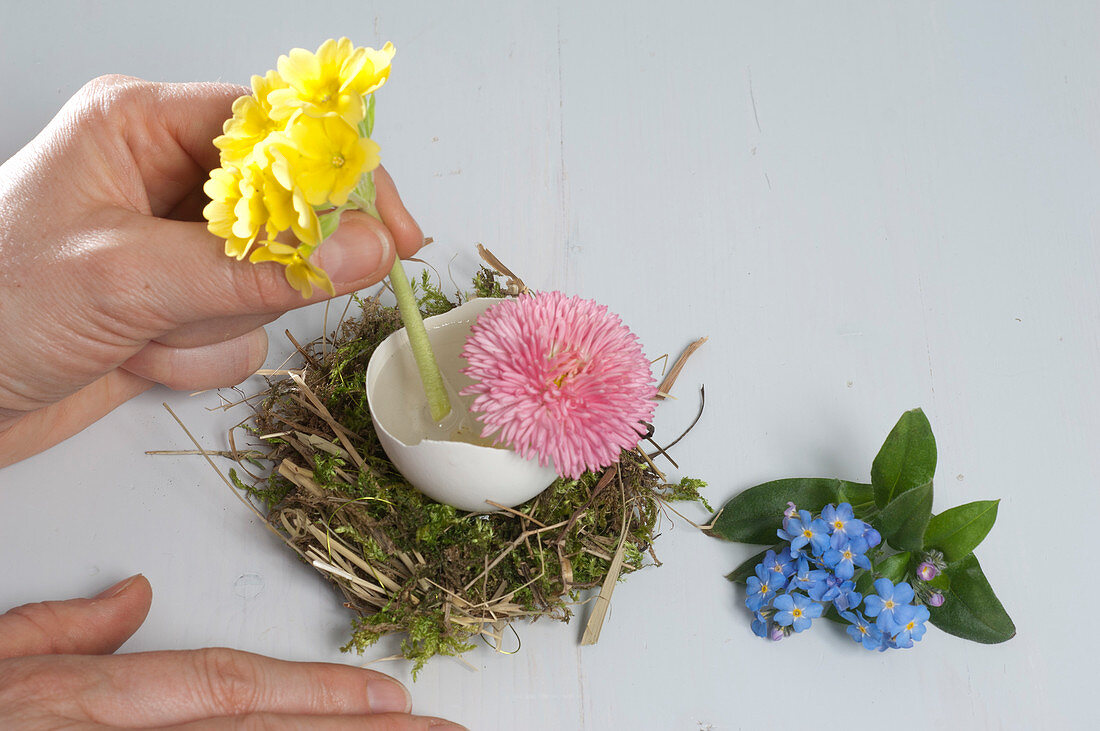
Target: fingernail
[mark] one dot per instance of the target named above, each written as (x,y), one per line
(388,696)
(117,588)
(354,253)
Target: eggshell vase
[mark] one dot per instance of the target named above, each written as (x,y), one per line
(458,473)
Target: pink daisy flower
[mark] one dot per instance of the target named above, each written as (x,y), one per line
(559,378)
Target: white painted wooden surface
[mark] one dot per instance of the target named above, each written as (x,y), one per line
(866,206)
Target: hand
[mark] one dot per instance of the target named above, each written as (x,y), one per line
(110,281)
(56,670)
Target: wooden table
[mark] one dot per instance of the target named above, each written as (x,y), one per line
(867,207)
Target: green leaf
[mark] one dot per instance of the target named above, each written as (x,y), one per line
(748,567)
(907,459)
(958,531)
(756,514)
(368,121)
(894,567)
(865,583)
(971,610)
(941,582)
(833,615)
(903,521)
(856,494)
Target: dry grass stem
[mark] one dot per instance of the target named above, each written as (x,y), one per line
(665,387)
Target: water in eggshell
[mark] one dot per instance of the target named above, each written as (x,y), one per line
(449,463)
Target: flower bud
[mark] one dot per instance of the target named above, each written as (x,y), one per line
(935,558)
(791,510)
(776,633)
(935,600)
(927,571)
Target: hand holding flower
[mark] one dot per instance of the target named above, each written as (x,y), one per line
(112,283)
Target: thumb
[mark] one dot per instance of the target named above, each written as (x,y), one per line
(96,626)
(191,278)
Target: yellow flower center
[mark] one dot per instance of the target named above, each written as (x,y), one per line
(808,533)
(888,604)
(337,161)
(848,555)
(796,612)
(570,367)
(838,524)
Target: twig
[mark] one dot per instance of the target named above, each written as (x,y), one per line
(225,479)
(516,513)
(522,537)
(304,353)
(674,372)
(324,414)
(661,452)
(605,478)
(603,601)
(698,415)
(250,454)
(515,284)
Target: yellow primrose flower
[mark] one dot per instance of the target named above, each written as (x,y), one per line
(262,86)
(246,201)
(332,81)
(288,209)
(224,190)
(251,122)
(300,272)
(294,147)
(368,68)
(250,211)
(323,157)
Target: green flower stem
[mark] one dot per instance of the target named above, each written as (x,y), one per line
(363,199)
(430,376)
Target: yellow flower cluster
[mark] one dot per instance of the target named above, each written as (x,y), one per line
(292,155)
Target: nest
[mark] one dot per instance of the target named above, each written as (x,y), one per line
(406,564)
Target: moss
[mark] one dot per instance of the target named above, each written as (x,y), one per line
(435,574)
(687,489)
(270,491)
(486,284)
(429,298)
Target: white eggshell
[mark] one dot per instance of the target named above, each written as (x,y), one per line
(459,474)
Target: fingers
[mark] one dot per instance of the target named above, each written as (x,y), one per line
(406,233)
(217,330)
(167,129)
(193,114)
(189,207)
(166,688)
(95,626)
(39,430)
(205,366)
(275,722)
(181,270)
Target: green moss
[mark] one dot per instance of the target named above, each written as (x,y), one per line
(429,298)
(427,634)
(271,491)
(486,284)
(687,489)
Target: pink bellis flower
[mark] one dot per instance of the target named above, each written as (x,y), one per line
(558,378)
